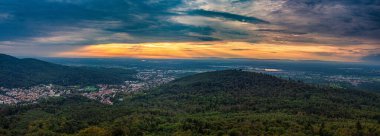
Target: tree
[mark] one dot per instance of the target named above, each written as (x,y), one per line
(359,129)
(93,131)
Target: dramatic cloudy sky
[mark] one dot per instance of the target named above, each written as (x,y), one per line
(340,30)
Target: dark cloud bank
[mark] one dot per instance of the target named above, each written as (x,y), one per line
(374,58)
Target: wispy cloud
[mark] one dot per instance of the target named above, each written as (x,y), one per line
(4,16)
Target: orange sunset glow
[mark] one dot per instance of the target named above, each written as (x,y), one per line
(189,50)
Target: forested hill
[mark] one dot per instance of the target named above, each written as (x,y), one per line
(235,91)
(228,102)
(16,72)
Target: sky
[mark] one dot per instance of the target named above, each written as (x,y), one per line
(333,30)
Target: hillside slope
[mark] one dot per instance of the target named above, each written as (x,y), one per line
(236,91)
(228,102)
(16,72)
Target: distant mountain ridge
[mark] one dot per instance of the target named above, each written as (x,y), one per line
(27,72)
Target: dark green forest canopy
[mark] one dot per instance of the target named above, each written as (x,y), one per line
(16,72)
(228,102)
